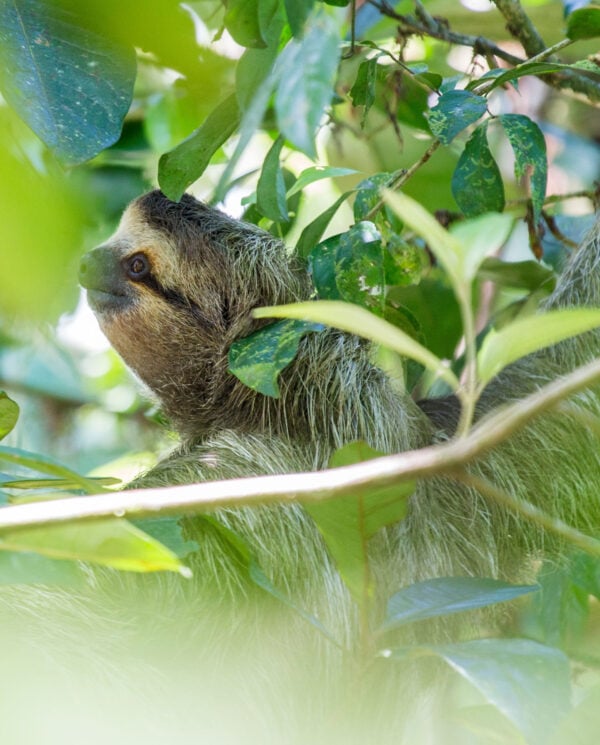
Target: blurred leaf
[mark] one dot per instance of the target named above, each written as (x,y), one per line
(316,173)
(242,22)
(306,75)
(584,23)
(9,413)
(54,484)
(43,464)
(527,335)
(297,12)
(434,304)
(480,236)
(114,543)
(526,681)
(71,85)
(529,147)
(446,595)
(348,523)
(312,233)
(28,568)
(454,111)
(184,164)
(359,321)
(446,248)
(168,532)
(581,725)
(523,275)
(270,190)
(258,359)
(477,182)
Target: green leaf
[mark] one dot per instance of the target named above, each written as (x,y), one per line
(527,335)
(316,173)
(70,84)
(584,23)
(435,305)
(25,568)
(454,111)
(526,681)
(258,359)
(55,484)
(446,595)
(184,164)
(529,147)
(46,465)
(168,532)
(114,543)
(446,248)
(523,275)
(306,76)
(270,190)
(313,232)
(476,181)
(242,21)
(363,91)
(480,236)
(357,320)
(360,266)
(9,413)
(348,523)
(297,12)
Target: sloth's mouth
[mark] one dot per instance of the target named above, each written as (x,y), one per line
(104,300)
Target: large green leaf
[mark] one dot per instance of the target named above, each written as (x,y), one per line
(306,75)
(476,181)
(527,335)
(242,21)
(357,320)
(9,413)
(184,164)
(529,147)
(454,111)
(270,190)
(348,523)
(584,23)
(258,359)
(526,681)
(445,595)
(114,543)
(479,237)
(297,12)
(316,173)
(70,84)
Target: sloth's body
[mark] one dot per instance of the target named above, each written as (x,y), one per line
(172,289)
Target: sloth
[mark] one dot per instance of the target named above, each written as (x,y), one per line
(172,289)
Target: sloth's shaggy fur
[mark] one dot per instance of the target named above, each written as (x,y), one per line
(173,316)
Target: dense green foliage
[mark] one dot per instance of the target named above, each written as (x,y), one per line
(307,117)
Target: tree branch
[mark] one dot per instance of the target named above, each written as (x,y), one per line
(306,487)
(519,25)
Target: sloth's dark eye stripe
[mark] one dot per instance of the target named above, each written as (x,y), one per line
(173,297)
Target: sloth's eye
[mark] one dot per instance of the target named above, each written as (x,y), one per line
(138,267)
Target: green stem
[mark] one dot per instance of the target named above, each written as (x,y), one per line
(469,399)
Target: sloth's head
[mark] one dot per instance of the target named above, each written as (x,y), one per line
(174,287)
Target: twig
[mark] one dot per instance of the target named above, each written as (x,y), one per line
(306,487)
(530,512)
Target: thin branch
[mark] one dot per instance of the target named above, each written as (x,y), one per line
(306,487)
(530,512)
(437,30)
(519,26)
(404,175)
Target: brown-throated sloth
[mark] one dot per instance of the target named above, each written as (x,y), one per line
(172,289)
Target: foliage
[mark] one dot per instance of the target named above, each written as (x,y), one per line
(319,117)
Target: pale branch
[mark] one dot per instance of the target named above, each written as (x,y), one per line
(303,487)
(424,24)
(520,25)
(530,512)
(438,30)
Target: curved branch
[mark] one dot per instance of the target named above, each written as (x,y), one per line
(313,486)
